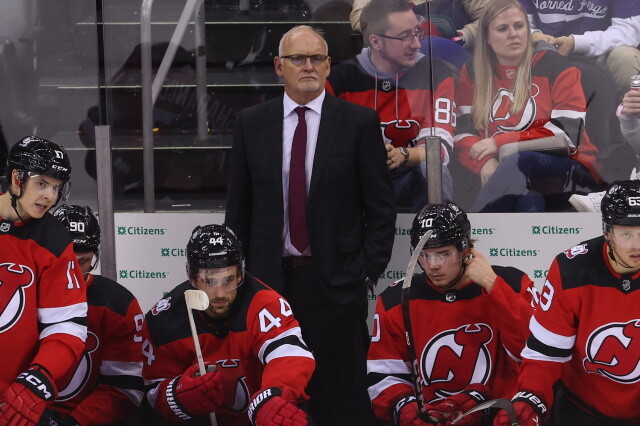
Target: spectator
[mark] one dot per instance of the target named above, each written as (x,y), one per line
(402,85)
(580,357)
(43,297)
(248,332)
(106,385)
(469,322)
(523,93)
(320,247)
(605,29)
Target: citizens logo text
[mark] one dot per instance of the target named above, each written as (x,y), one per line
(140,274)
(173,252)
(140,230)
(555,230)
(512,252)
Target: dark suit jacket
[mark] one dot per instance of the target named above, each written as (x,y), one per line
(350,206)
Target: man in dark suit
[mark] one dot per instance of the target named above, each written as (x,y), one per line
(321,259)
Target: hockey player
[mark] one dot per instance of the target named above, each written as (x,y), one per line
(248,333)
(468,322)
(412,93)
(586,330)
(106,385)
(43,305)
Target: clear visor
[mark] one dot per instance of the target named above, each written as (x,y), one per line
(51,186)
(213,278)
(439,257)
(625,237)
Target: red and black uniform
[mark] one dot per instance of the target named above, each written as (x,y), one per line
(586,332)
(257,346)
(461,337)
(43,304)
(106,386)
(557,107)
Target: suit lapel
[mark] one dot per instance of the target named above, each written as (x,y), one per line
(330,122)
(272,139)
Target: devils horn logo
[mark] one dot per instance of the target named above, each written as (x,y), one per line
(501,111)
(613,351)
(400,132)
(83,371)
(14,279)
(455,358)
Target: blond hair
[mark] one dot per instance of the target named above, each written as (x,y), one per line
(485,66)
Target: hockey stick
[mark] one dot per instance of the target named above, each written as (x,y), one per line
(406,318)
(502,403)
(198,300)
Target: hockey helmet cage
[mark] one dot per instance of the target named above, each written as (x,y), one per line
(213,246)
(448,222)
(41,156)
(83,226)
(621,204)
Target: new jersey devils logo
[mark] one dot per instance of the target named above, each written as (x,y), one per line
(400,132)
(613,351)
(83,371)
(13,281)
(455,358)
(501,111)
(576,250)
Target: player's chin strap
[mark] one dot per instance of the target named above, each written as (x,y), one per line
(14,202)
(610,251)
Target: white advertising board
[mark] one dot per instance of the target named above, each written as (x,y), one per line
(151,247)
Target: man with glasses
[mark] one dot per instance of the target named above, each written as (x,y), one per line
(251,343)
(43,304)
(467,321)
(105,387)
(311,199)
(412,93)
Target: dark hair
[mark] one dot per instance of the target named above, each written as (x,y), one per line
(374,16)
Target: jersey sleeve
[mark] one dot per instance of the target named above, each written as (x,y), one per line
(511,312)
(466,134)
(121,388)
(553,329)
(278,344)
(62,314)
(388,368)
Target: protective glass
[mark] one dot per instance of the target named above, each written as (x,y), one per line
(300,60)
(210,278)
(441,257)
(43,183)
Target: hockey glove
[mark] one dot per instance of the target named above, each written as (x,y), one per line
(406,413)
(530,409)
(190,394)
(53,418)
(451,408)
(27,398)
(268,408)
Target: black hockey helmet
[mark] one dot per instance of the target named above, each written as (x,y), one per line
(621,204)
(448,222)
(213,246)
(41,156)
(83,226)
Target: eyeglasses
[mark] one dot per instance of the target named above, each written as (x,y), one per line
(440,258)
(408,39)
(300,60)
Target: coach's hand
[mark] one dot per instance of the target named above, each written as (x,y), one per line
(26,399)
(530,409)
(451,408)
(269,408)
(190,394)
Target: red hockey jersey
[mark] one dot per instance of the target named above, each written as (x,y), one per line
(416,103)
(557,107)
(461,337)
(586,331)
(43,302)
(106,386)
(258,346)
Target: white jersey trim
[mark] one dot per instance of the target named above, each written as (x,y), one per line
(121,368)
(388,366)
(376,389)
(67,327)
(284,349)
(62,313)
(549,338)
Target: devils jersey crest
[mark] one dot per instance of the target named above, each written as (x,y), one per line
(13,281)
(398,132)
(83,370)
(501,111)
(613,351)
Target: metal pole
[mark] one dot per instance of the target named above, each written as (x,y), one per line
(434,169)
(147,107)
(105,202)
(201,72)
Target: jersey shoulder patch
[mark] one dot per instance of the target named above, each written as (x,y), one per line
(583,264)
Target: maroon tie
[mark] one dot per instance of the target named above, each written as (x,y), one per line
(298,185)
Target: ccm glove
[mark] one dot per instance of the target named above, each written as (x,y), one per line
(406,413)
(190,394)
(53,418)
(269,408)
(451,408)
(26,399)
(530,410)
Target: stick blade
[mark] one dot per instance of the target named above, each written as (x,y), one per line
(196,299)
